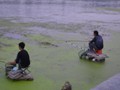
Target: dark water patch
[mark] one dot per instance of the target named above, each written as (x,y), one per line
(60,26)
(48,44)
(4,45)
(101,3)
(48,25)
(13,36)
(64,2)
(112,9)
(7,29)
(40,39)
(82,28)
(10,24)
(53,25)
(1,34)
(5,22)
(0,73)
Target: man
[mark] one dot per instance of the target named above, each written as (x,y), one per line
(97,42)
(22,59)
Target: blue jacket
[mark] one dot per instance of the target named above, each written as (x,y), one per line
(98,40)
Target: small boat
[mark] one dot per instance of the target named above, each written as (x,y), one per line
(17,74)
(92,56)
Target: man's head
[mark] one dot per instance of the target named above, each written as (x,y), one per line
(96,33)
(21,45)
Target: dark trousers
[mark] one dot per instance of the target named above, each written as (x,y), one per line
(92,47)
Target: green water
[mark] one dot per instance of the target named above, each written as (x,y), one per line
(51,66)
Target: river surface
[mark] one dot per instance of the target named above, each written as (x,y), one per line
(60,11)
(54,32)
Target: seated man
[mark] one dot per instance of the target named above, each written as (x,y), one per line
(96,43)
(22,59)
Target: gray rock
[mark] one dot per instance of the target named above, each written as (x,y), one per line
(111,84)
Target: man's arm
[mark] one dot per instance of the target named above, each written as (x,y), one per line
(12,63)
(93,40)
(17,58)
(15,61)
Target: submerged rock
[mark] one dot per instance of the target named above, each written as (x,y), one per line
(48,44)
(67,86)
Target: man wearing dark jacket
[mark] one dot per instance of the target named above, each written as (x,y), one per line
(22,59)
(97,42)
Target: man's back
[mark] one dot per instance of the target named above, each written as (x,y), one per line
(23,59)
(99,42)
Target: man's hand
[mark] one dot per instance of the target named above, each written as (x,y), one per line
(12,63)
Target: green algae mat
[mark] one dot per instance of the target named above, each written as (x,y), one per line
(54,55)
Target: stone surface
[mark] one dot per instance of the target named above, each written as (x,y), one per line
(111,84)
